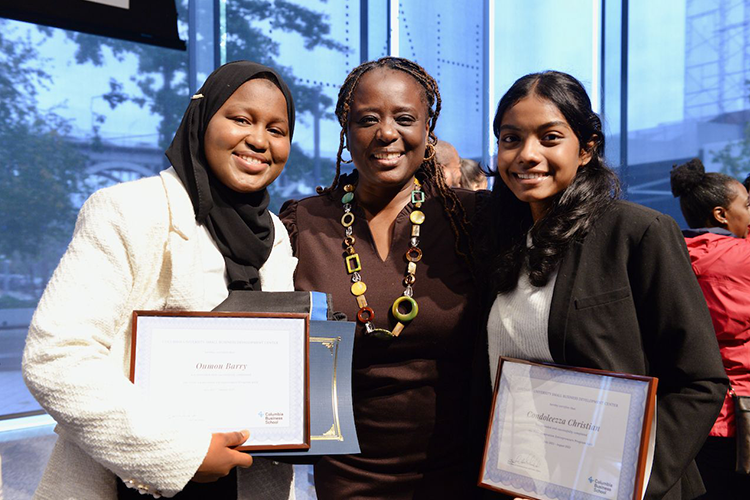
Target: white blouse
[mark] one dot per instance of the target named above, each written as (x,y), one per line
(518,322)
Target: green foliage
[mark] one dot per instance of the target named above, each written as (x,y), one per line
(735,157)
(19,76)
(163,80)
(40,172)
(247,40)
(39,167)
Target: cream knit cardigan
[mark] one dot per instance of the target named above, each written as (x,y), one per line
(135,246)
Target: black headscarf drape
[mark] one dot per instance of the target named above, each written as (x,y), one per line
(239,223)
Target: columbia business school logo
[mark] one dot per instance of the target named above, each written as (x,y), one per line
(272,417)
(601,487)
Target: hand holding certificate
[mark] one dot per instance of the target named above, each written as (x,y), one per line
(568,433)
(228,371)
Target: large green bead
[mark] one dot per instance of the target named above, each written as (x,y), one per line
(405,317)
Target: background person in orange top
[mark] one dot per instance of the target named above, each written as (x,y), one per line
(716,208)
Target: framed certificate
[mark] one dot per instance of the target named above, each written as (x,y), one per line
(228,371)
(557,432)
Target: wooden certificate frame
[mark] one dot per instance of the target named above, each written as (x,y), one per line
(228,371)
(561,432)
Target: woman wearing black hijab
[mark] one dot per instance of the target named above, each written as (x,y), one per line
(180,240)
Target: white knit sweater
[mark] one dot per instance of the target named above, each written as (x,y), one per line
(135,246)
(517,326)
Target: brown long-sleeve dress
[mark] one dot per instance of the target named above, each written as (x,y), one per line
(411,394)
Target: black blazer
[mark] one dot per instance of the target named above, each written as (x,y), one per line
(626,300)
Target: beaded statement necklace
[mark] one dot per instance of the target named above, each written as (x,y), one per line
(365,315)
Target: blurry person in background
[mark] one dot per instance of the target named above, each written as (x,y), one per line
(472,176)
(715,207)
(447,157)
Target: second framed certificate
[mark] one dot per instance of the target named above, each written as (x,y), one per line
(228,372)
(572,433)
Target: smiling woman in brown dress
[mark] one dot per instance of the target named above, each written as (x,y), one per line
(388,241)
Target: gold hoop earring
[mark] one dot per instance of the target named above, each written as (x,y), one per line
(430,149)
(347,161)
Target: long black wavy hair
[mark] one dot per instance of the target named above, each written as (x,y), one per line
(572,212)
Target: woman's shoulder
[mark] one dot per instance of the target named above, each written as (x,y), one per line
(132,200)
(632,217)
(309,201)
(306,213)
(320,204)
(144,193)
(628,225)
(148,206)
(634,211)
(124,191)
(724,252)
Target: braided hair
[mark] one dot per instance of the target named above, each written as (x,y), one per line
(429,168)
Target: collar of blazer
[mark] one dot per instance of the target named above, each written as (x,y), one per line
(188,285)
(181,213)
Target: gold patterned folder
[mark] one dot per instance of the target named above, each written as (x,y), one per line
(332,430)
(325,379)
